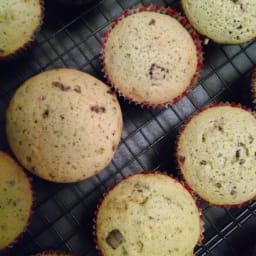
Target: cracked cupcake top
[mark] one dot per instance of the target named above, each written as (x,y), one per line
(148,214)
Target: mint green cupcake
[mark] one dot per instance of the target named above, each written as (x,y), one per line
(225,22)
(20,20)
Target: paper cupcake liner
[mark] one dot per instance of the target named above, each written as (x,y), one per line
(23,49)
(184,185)
(195,194)
(22,233)
(183,21)
(253,87)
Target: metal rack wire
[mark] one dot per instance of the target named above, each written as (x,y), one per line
(63,214)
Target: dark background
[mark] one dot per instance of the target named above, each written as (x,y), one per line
(63,214)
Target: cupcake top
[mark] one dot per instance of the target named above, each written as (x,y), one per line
(216,153)
(15,200)
(149,57)
(226,22)
(24,15)
(148,214)
(64,125)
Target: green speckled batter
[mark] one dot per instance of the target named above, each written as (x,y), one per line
(15,200)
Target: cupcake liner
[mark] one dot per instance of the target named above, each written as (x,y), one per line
(253,87)
(184,185)
(183,21)
(22,50)
(182,128)
(22,233)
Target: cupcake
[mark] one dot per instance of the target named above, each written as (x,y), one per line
(253,86)
(225,22)
(216,153)
(148,214)
(20,20)
(16,200)
(52,253)
(151,56)
(64,125)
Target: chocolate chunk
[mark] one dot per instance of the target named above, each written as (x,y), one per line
(203,162)
(115,238)
(98,109)
(181,159)
(157,72)
(46,113)
(243,7)
(218,185)
(233,192)
(62,117)
(114,147)
(29,159)
(152,22)
(242,161)
(237,154)
(77,89)
(60,86)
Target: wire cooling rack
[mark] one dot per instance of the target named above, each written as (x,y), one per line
(63,214)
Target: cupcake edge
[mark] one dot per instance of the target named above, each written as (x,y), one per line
(183,184)
(253,87)
(184,22)
(182,128)
(19,237)
(20,51)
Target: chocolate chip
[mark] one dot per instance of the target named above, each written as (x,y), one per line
(115,239)
(62,117)
(157,72)
(181,159)
(60,86)
(77,88)
(243,7)
(203,162)
(237,154)
(46,113)
(220,128)
(242,161)
(29,159)
(233,192)
(152,22)
(218,185)
(98,109)
(113,147)
(251,139)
